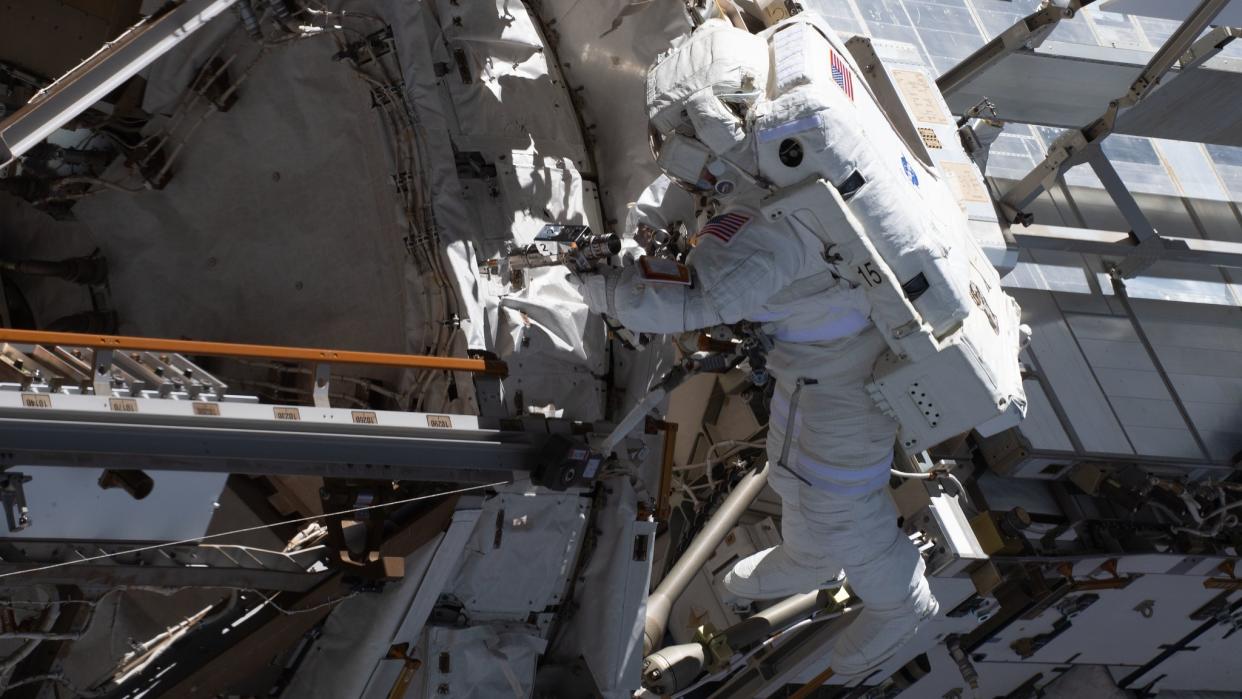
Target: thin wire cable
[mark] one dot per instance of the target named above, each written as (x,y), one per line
(271,601)
(931,476)
(260,527)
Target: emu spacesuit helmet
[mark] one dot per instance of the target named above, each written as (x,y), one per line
(699,94)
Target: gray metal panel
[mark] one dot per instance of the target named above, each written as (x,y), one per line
(1219,424)
(1069,85)
(1041,426)
(1069,375)
(85,430)
(1172,9)
(67,503)
(1203,104)
(1201,348)
(1219,219)
(1132,384)
(1134,388)
(1044,87)
(1110,631)
(1211,667)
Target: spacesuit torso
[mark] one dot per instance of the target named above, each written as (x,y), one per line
(743,267)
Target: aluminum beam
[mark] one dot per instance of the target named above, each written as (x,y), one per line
(1028,32)
(1170,9)
(1077,144)
(103,72)
(86,430)
(108,576)
(182,565)
(1214,253)
(1068,85)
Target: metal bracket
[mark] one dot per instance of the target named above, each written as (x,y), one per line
(1208,46)
(13,498)
(1028,32)
(323,380)
(1149,245)
(1077,145)
(101,371)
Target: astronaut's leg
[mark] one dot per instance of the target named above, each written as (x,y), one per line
(881,566)
(801,563)
(845,449)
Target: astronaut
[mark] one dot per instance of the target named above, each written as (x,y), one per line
(829,446)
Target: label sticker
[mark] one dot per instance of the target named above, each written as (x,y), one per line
(365,417)
(206,408)
(591,467)
(920,96)
(658,269)
(286,414)
(441,421)
(965,182)
(123,405)
(930,139)
(36,400)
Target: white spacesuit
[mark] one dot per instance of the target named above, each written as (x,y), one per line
(830,445)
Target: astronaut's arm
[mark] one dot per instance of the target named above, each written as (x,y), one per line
(659,296)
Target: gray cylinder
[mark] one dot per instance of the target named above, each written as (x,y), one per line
(660,602)
(762,624)
(672,669)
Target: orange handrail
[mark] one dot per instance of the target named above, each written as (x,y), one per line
(229,349)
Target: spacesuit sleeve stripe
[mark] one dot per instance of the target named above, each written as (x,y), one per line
(849,322)
(843,480)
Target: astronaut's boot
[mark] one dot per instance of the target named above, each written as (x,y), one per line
(876,634)
(773,574)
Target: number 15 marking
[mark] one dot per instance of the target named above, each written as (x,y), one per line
(870,274)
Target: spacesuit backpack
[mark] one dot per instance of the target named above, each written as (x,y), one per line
(841,157)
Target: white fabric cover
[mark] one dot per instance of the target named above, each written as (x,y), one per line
(484,663)
(660,206)
(953,365)
(902,204)
(769,273)
(859,532)
(777,572)
(686,85)
(838,438)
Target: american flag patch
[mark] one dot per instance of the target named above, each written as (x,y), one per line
(841,73)
(724,227)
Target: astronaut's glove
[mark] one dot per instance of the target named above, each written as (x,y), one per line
(594,287)
(631,250)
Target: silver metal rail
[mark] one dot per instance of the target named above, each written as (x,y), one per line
(103,72)
(228,437)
